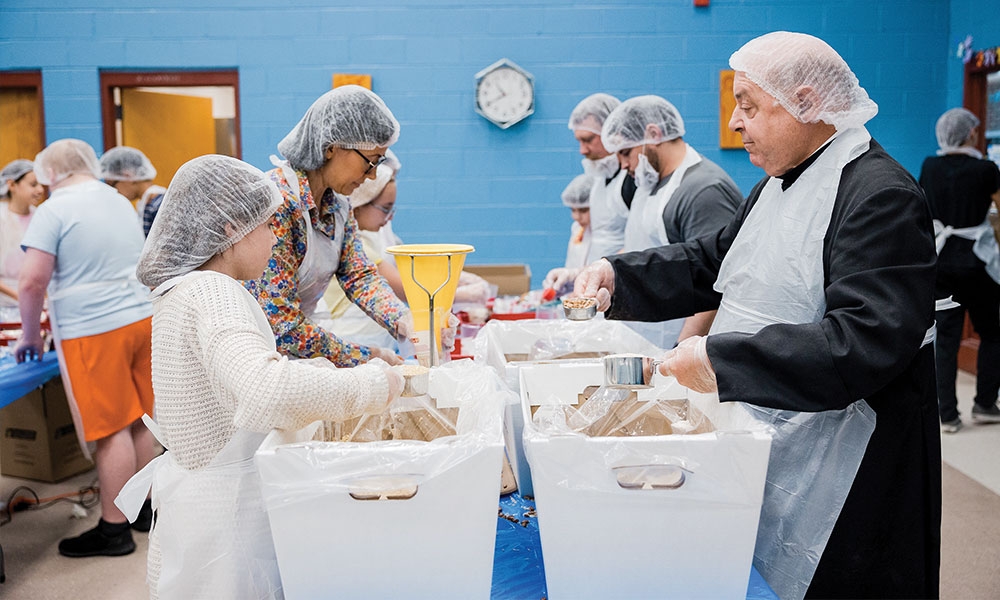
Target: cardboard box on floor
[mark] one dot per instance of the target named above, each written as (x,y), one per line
(39,439)
(511,280)
(400,518)
(670,516)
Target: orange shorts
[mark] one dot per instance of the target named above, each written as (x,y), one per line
(111,377)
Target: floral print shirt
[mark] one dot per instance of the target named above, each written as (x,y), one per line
(277,289)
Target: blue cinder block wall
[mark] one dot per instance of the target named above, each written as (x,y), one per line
(463,179)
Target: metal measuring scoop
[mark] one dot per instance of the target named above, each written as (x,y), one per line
(628,371)
(580,309)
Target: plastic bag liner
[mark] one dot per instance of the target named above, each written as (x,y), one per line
(346,516)
(500,342)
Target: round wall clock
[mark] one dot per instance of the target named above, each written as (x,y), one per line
(505,93)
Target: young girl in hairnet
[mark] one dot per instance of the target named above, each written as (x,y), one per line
(576,197)
(221,385)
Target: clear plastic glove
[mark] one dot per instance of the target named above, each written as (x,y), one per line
(386,355)
(405,330)
(29,349)
(392,376)
(448,333)
(689,363)
(597,280)
(559,278)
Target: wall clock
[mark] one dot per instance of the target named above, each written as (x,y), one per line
(505,93)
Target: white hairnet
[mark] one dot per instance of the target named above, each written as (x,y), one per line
(63,158)
(349,116)
(782,62)
(628,125)
(592,111)
(371,188)
(14,171)
(124,163)
(954,127)
(577,193)
(213,201)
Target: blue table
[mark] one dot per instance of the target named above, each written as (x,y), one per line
(16,380)
(518,573)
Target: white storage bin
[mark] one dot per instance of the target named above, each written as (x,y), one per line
(391,519)
(507,345)
(669,516)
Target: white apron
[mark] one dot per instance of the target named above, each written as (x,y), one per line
(814,456)
(576,251)
(211,524)
(645,229)
(985,247)
(319,265)
(608,216)
(54,297)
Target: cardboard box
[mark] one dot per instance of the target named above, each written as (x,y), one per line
(391,519)
(511,280)
(39,438)
(507,346)
(667,516)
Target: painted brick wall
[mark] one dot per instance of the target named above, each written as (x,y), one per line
(463,179)
(981,20)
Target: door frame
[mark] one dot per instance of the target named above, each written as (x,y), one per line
(28,79)
(111,79)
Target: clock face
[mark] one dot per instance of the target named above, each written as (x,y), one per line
(505,95)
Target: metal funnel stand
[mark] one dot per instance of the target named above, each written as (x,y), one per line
(432,334)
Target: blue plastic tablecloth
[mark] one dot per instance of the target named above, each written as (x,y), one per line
(518,573)
(16,380)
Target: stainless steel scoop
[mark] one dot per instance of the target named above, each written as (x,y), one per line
(580,309)
(627,370)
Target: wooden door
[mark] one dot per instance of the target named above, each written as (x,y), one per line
(170,129)
(22,124)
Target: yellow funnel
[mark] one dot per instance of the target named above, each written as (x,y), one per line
(430,277)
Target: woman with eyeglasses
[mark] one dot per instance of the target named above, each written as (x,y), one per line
(335,148)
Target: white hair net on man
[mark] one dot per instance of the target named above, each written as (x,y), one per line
(372,188)
(592,111)
(577,193)
(14,171)
(63,158)
(213,202)
(349,116)
(628,125)
(124,163)
(954,127)
(782,63)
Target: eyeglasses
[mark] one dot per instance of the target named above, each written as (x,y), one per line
(371,165)
(387,211)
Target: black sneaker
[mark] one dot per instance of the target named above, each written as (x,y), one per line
(144,521)
(986,414)
(96,542)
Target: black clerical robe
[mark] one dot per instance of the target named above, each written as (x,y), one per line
(879,267)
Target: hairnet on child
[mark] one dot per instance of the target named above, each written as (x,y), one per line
(954,127)
(782,62)
(592,111)
(628,125)
(213,201)
(349,116)
(13,171)
(63,158)
(577,193)
(371,188)
(123,163)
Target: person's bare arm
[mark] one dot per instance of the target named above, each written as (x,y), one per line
(8,291)
(35,275)
(696,324)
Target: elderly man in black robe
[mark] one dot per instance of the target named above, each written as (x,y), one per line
(824,282)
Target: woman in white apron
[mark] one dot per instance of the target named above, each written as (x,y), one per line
(336,146)
(221,386)
(20,192)
(824,329)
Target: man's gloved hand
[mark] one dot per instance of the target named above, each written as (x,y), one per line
(597,280)
(689,363)
(405,330)
(448,333)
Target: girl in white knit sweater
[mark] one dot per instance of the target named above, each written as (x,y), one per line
(220,385)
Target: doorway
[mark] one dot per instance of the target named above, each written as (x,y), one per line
(22,115)
(171,116)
